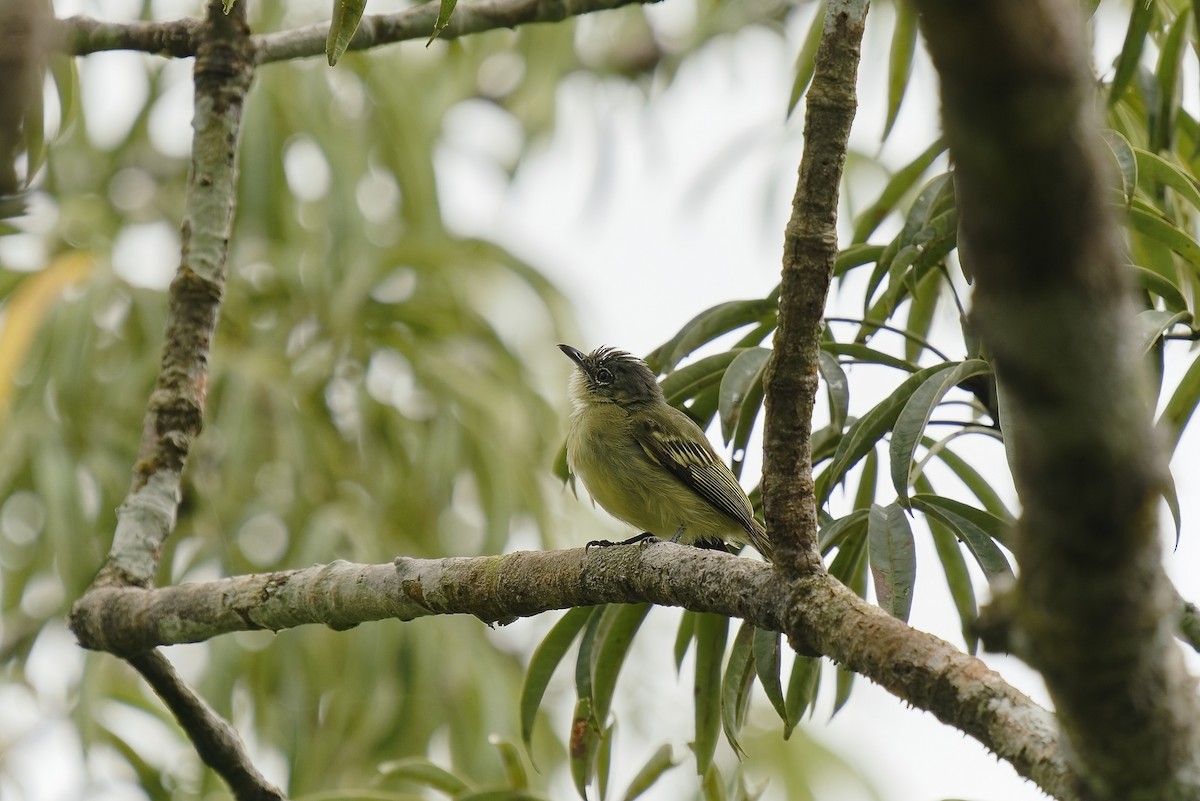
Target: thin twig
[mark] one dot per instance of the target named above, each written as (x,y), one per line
(214,739)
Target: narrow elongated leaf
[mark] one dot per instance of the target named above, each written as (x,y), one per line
(845,683)
(802,691)
(767,647)
(713,785)
(900,58)
(422,771)
(743,373)
(914,417)
(1170,57)
(1131,51)
(510,757)
(1178,411)
(711,634)
(864,496)
(684,636)
(604,759)
(897,187)
(344,22)
(582,745)
(893,558)
(584,660)
(958,579)
(1127,163)
(978,541)
(1148,222)
(1154,169)
(688,382)
(1163,287)
(863,353)
(806,59)
(921,313)
(735,689)
(659,763)
(833,534)
(837,387)
(1153,323)
(859,254)
(869,429)
(995,527)
(707,326)
(445,11)
(615,635)
(543,663)
(974,481)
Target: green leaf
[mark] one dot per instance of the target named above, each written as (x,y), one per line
(615,635)
(604,759)
(864,496)
(863,353)
(543,663)
(767,647)
(1170,57)
(684,636)
(510,757)
(1153,169)
(1171,496)
(743,373)
(1131,51)
(1178,411)
(868,430)
(975,537)
(920,315)
(688,382)
(900,58)
(802,690)
(974,481)
(1127,163)
(958,578)
(859,254)
(582,745)
(837,387)
(1153,323)
(735,689)
(806,59)
(584,659)
(1148,222)
(346,16)
(1158,284)
(445,11)
(34,124)
(707,326)
(711,634)
(835,533)
(897,187)
(893,558)
(421,771)
(845,683)
(659,763)
(912,420)
(713,786)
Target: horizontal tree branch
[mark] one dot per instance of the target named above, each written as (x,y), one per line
(80,35)
(816,613)
(418,23)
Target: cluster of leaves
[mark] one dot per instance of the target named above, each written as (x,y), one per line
(1156,148)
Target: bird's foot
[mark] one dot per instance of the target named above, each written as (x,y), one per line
(643,537)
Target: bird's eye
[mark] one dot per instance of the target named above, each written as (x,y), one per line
(604,376)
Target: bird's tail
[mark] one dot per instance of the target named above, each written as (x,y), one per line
(758,538)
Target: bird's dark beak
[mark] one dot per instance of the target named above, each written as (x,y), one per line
(574,354)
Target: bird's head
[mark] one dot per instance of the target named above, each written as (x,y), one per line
(607,375)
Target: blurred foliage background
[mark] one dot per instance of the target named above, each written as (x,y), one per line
(372,392)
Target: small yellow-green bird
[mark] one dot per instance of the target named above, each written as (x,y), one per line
(645,462)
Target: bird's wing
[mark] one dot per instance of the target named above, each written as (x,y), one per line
(697,465)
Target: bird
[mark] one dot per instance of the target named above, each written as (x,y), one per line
(647,463)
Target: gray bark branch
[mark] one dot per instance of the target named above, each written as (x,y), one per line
(1093,608)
